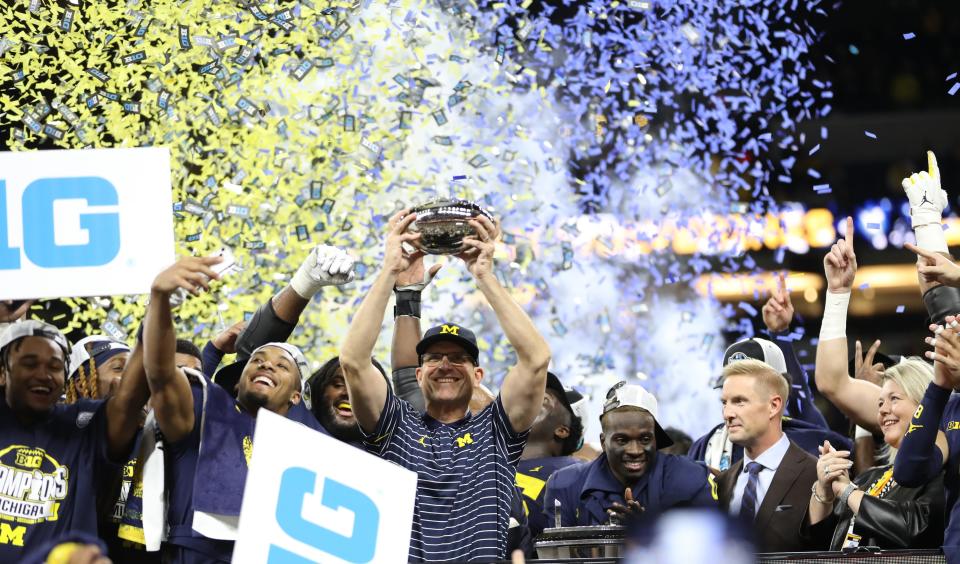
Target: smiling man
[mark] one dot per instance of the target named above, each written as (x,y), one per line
(465,463)
(769,489)
(208,434)
(631,476)
(55,452)
(331,402)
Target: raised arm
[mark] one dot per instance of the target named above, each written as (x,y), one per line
(857,399)
(924,448)
(406,330)
(368,390)
(171,397)
(523,387)
(777,316)
(125,407)
(275,320)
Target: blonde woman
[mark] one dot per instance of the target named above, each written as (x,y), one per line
(873,510)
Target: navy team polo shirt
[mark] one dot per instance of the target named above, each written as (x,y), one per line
(48,475)
(465,478)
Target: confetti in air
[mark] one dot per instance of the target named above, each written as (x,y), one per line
(627,147)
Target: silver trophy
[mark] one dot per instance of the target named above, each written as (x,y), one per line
(443,225)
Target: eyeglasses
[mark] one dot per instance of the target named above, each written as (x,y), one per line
(456,359)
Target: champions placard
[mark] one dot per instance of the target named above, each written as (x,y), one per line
(312,498)
(88,222)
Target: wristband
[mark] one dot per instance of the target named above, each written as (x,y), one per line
(931,237)
(940,302)
(845,495)
(407,303)
(834,324)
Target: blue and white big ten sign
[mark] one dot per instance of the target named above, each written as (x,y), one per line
(84,223)
(311,498)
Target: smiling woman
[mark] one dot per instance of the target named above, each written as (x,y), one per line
(874,509)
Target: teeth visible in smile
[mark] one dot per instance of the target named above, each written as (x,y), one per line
(263,380)
(40,389)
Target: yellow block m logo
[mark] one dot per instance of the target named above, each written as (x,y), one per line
(9,535)
(464,440)
(451,329)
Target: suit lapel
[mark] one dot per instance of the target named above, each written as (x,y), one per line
(787,473)
(727,484)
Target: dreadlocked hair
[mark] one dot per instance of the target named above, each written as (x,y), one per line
(85,384)
(71,392)
(93,383)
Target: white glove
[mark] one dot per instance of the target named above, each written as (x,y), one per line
(324,266)
(927,198)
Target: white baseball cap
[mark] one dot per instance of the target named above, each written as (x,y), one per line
(759,349)
(34,328)
(634,395)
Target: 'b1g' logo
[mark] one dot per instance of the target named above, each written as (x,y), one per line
(359,547)
(40,241)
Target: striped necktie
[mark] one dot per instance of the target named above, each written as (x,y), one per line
(748,506)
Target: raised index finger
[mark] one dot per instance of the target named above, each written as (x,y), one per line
(932,167)
(922,252)
(848,236)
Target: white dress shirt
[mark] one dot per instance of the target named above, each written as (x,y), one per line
(770,460)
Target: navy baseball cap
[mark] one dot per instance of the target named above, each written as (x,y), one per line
(453,333)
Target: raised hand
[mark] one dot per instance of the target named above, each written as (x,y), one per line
(416,277)
(396,258)
(934,267)
(840,264)
(325,265)
(946,353)
(865,368)
(478,255)
(927,198)
(226,341)
(12,310)
(190,273)
(778,311)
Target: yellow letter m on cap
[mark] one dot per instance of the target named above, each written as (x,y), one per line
(452,329)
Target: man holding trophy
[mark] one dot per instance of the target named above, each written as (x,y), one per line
(465,463)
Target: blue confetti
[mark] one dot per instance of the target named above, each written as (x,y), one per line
(909,36)
(900,309)
(954,88)
(870,134)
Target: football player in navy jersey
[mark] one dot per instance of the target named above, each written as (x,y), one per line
(632,475)
(202,519)
(555,435)
(51,454)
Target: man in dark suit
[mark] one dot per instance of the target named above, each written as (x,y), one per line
(769,489)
